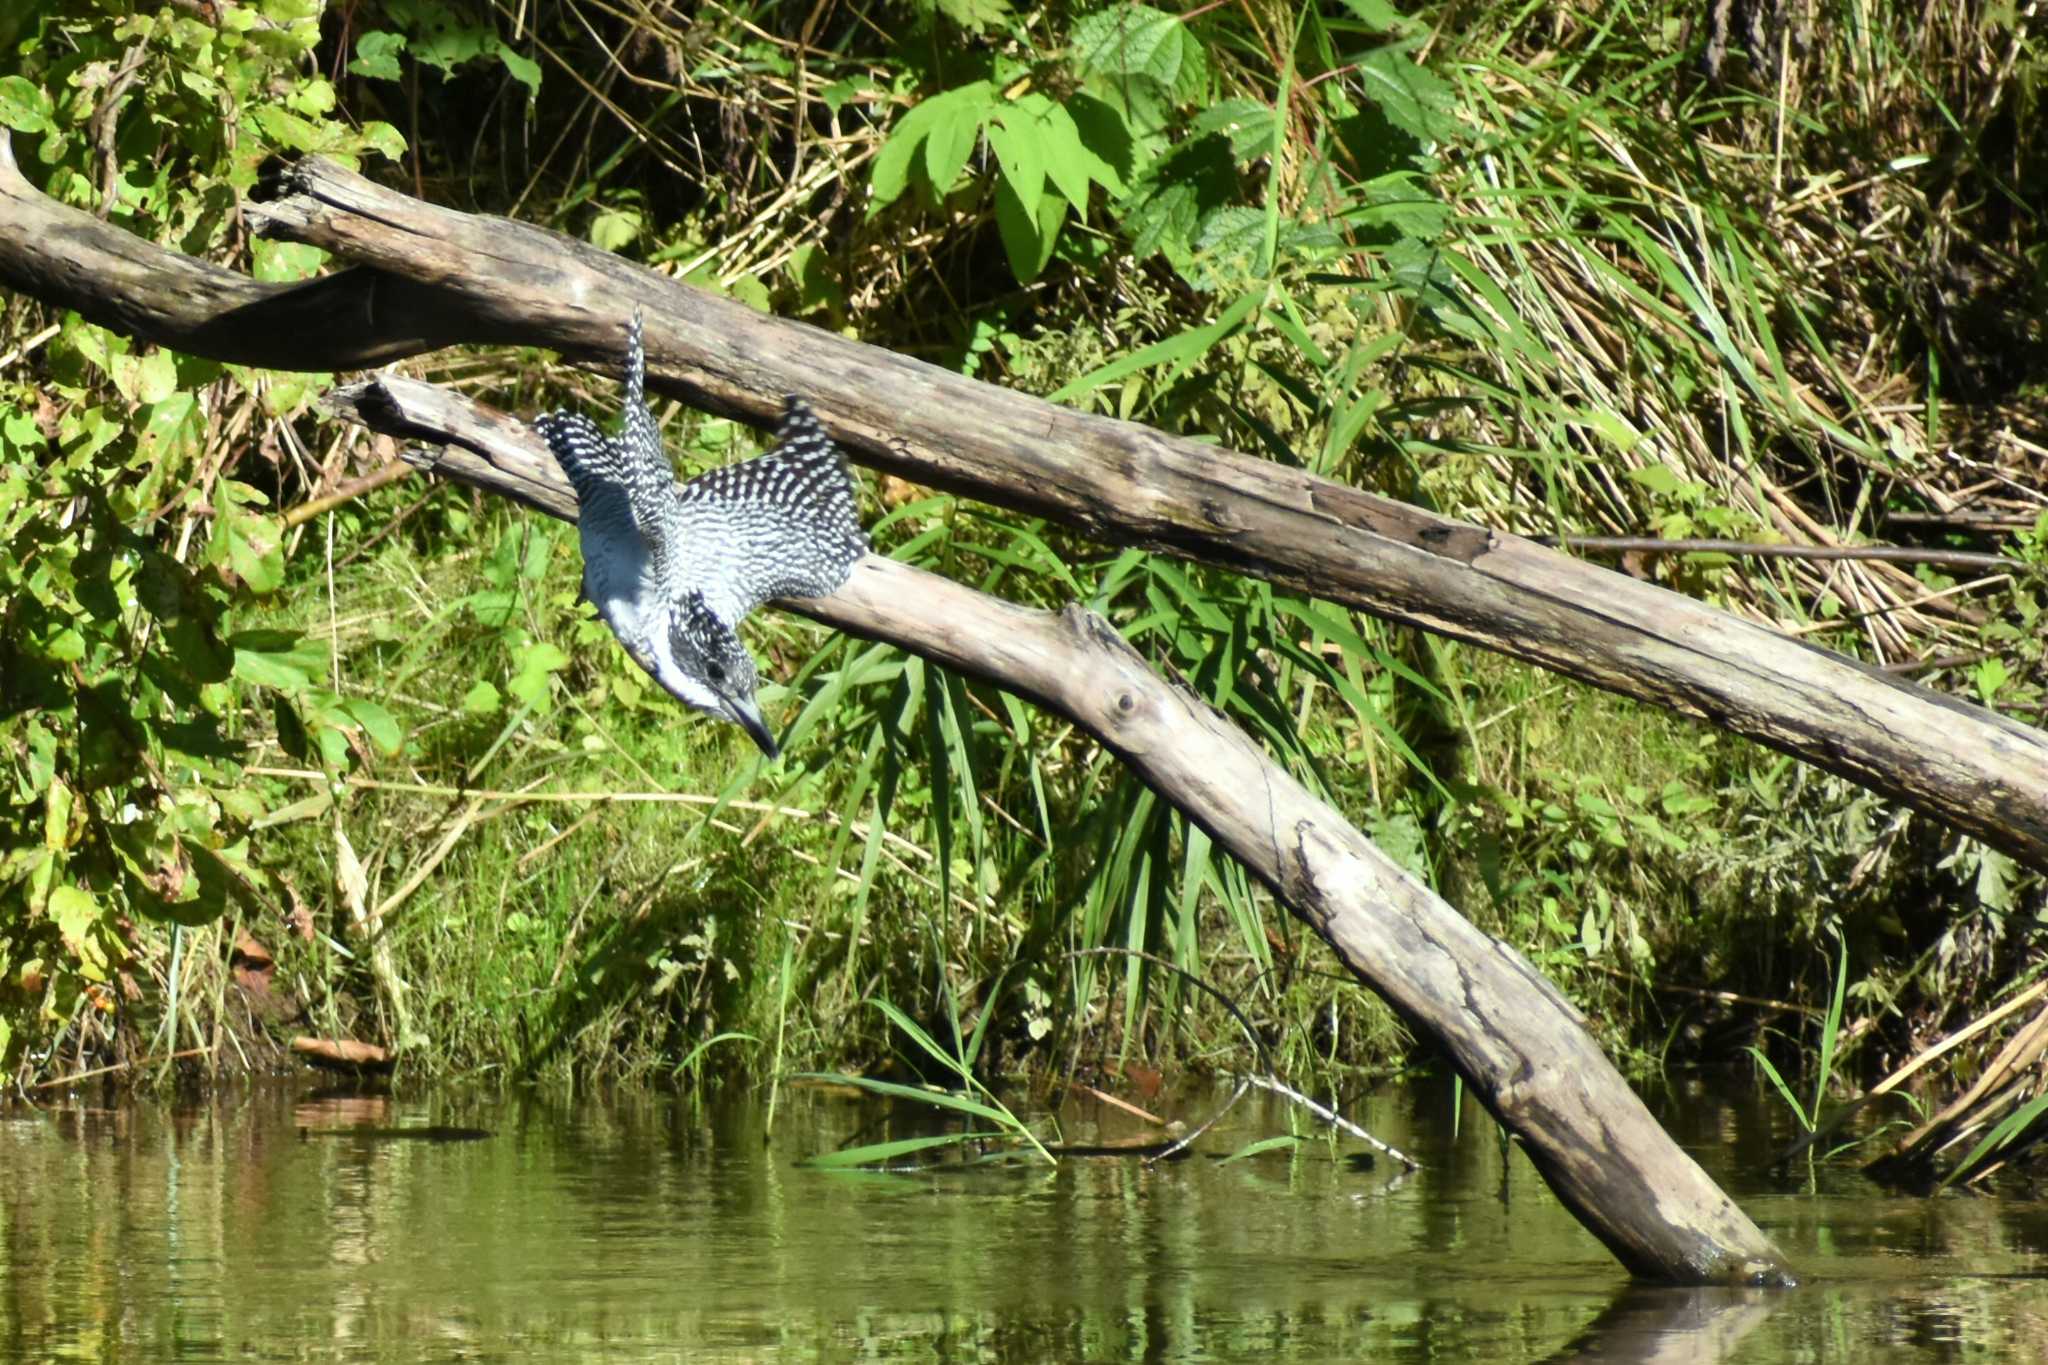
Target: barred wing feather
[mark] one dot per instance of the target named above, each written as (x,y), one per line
(781,525)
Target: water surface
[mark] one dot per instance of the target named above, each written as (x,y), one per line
(652,1228)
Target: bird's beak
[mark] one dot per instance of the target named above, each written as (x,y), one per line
(748,717)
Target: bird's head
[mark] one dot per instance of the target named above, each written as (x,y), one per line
(707,668)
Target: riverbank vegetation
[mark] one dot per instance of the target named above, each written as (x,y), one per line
(295,746)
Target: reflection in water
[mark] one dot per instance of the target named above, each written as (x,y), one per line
(268,1223)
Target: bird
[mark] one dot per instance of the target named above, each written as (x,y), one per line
(673,569)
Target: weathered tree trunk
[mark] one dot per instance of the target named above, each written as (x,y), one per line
(1519,1044)
(432,277)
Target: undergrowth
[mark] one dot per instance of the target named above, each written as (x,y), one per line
(1610,273)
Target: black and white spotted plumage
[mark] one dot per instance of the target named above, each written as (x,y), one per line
(674,570)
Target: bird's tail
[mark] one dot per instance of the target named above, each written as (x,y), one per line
(636,365)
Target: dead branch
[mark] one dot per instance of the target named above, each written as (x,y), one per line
(428,277)
(1520,1045)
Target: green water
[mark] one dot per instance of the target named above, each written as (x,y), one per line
(652,1229)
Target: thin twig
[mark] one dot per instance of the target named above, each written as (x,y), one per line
(1333,1118)
(346,493)
(77,1076)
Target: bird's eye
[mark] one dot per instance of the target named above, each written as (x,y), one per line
(715,672)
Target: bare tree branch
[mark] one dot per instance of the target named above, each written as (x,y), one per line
(430,277)
(1520,1044)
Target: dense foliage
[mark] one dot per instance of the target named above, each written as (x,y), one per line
(1616,272)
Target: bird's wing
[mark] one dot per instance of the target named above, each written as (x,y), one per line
(780,525)
(633,465)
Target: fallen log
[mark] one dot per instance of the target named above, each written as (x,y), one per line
(345,1054)
(1520,1045)
(428,277)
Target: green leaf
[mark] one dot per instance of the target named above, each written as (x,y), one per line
(284,262)
(1248,125)
(1380,16)
(385,140)
(2012,1126)
(522,68)
(377,56)
(536,662)
(940,1099)
(888,1153)
(1283,1142)
(614,228)
(975,15)
(74,911)
(1658,478)
(1176,193)
(893,164)
(1106,142)
(379,725)
(482,699)
(949,144)
(24,105)
(1415,100)
(1068,162)
(1015,138)
(277,660)
(1028,238)
(1129,40)
(287,130)
(255,549)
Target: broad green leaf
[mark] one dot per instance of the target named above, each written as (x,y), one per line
(893,164)
(255,549)
(890,175)
(288,130)
(1233,232)
(975,15)
(378,724)
(1068,163)
(1028,238)
(950,143)
(377,56)
(536,662)
(482,699)
(1106,142)
(1414,99)
(1247,123)
(1176,193)
(1129,40)
(145,379)
(613,229)
(74,911)
(24,105)
(1014,137)
(382,138)
(1380,16)
(522,68)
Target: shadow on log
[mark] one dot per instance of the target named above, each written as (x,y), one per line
(1520,1045)
(427,277)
